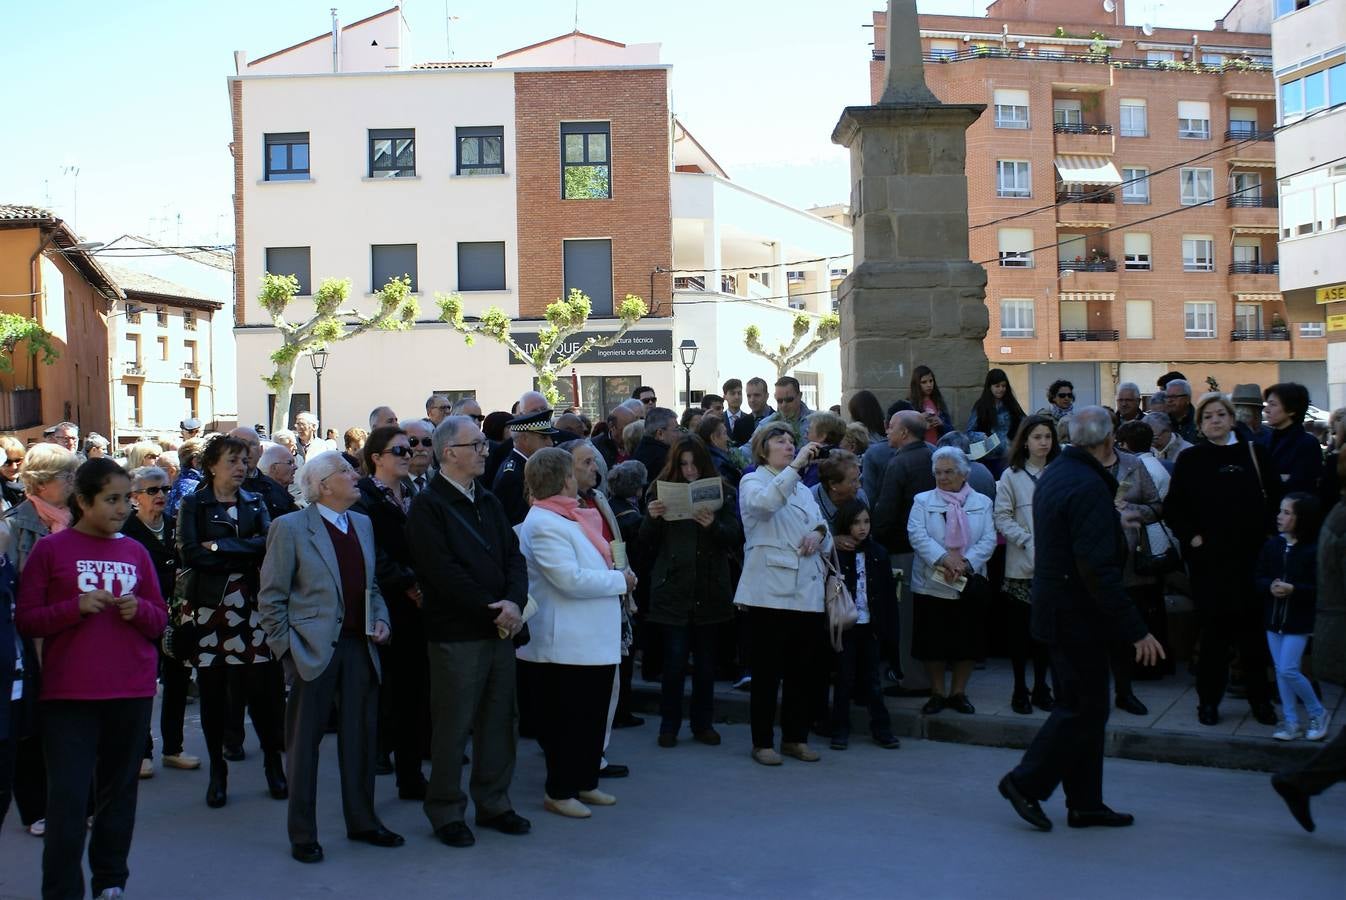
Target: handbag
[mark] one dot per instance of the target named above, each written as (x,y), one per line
(838,603)
(1156,551)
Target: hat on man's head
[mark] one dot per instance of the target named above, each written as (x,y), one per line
(539,422)
(1246,395)
(191,424)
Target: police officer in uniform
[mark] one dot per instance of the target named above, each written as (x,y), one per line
(530,433)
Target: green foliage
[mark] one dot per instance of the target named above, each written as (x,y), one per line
(331,294)
(277,292)
(15,329)
(785,357)
(587,183)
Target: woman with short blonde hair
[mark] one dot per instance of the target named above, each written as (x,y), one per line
(631,436)
(142,453)
(11,487)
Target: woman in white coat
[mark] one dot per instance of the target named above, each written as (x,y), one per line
(782,587)
(1034,446)
(575,640)
(952,535)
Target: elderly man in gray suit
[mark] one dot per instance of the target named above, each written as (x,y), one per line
(322,613)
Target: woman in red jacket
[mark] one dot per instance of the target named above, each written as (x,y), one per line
(93,597)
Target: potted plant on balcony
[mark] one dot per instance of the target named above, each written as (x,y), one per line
(1278,323)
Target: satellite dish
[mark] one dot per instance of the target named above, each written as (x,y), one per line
(1109,6)
(1147,29)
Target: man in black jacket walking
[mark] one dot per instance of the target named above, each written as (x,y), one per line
(1079,610)
(474,584)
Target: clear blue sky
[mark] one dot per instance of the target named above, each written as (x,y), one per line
(133,93)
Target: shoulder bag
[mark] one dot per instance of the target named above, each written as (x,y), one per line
(838,603)
(1156,551)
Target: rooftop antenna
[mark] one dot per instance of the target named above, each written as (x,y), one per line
(73,171)
(448,33)
(577,15)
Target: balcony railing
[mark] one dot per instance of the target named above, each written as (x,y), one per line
(1101,59)
(1247,268)
(1080,128)
(134,368)
(1091,335)
(191,373)
(1249,134)
(1086,197)
(1087,265)
(20,409)
(1246,201)
(1275,334)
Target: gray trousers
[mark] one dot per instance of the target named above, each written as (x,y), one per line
(471,691)
(350,681)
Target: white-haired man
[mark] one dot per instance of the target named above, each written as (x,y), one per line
(323,613)
(275,475)
(419,433)
(307,442)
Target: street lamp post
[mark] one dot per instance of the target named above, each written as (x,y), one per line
(318,360)
(687,350)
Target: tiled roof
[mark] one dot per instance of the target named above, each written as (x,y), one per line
(138,282)
(455,64)
(14,212)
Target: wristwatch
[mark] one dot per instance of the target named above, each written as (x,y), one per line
(213,546)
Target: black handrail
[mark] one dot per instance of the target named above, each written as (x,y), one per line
(1247,268)
(1249,134)
(1275,334)
(1080,128)
(1085,197)
(1091,335)
(1082,265)
(1267,201)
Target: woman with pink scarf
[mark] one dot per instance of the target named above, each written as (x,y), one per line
(953,535)
(575,641)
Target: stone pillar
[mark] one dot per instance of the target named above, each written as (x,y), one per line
(914,297)
(780,283)
(710,253)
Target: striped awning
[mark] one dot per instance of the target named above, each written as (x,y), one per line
(1088,170)
(1254,229)
(1258,297)
(1086,296)
(1238,163)
(1083,223)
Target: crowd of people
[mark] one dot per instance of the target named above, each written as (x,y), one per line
(461,577)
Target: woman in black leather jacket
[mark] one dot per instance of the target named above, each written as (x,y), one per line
(221,541)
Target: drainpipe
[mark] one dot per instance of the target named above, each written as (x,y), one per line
(336,42)
(46,241)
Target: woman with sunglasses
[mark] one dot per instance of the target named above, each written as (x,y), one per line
(11,486)
(385,496)
(149,526)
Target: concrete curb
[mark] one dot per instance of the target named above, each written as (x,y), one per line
(1123,742)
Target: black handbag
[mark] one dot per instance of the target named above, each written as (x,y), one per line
(1151,558)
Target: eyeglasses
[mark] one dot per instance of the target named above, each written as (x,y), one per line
(419,442)
(153,491)
(399,452)
(650,401)
(477,417)
(1065,396)
(477,446)
(344,470)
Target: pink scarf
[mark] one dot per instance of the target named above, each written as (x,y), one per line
(56,518)
(957,532)
(590,521)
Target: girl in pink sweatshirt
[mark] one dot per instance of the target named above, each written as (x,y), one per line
(93,598)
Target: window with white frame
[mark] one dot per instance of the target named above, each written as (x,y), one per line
(1242,120)
(1194,119)
(1140,320)
(1313,202)
(1198,253)
(1137,248)
(943,49)
(1016,318)
(1199,319)
(1067,112)
(1012,178)
(1016,248)
(1052,52)
(1247,317)
(1311,329)
(1135,185)
(1134,122)
(1155,57)
(1197,186)
(1212,59)
(1312,92)
(1011,108)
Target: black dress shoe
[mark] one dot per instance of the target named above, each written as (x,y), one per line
(1295,799)
(1101,817)
(710,737)
(1131,703)
(414,790)
(668,740)
(887,741)
(614,770)
(1029,810)
(1042,699)
(1208,714)
(379,837)
(508,822)
(307,853)
(1021,704)
(455,834)
(1265,713)
(275,777)
(217,792)
(235,754)
(960,704)
(627,721)
(933,705)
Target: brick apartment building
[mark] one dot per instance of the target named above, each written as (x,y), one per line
(1093,131)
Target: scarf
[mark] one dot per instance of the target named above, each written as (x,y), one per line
(957,532)
(1058,413)
(590,521)
(56,518)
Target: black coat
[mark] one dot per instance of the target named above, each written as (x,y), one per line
(24,723)
(907,474)
(741,434)
(1296,457)
(277,497)
(1294,564)
(652,454)
(495,458)
(731,473)
(881,592)
(628,515)
(240,545)
(392,558)
(163,553)
(691,581)
(607,448)
(1080,551)
(508,488)
(463,562)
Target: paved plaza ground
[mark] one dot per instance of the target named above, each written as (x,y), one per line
(694,821)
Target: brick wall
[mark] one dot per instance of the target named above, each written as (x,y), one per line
(637,217)
(236,148)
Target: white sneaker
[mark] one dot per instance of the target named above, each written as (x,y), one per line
(113,893)
(1318,726)
(146,769)
(1287,732)
(38,828)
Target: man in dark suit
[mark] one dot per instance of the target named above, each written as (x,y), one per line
(661,433)
(323,614)
(622,415)
(529,433)
(1080,610)
(474,582)
(746,424)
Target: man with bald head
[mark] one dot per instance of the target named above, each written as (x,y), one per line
(382,416)
(908,473)
(571,424)
(529,402)
(623,414)
(437,408)
(468,406)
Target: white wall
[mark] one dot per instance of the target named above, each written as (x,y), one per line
(358,50)
(574,50)
(162,399)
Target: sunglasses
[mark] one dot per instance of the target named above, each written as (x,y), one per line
(399,452)
(419,442)
(650,401)
(154,491)
(1065,396)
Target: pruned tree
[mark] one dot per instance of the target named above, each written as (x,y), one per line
(16,329)
(785,357)
(565,318)
(331,321)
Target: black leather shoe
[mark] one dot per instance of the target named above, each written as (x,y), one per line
(887,741)
(627,721)
(668,740)
(614,770)
(217,792)
(960,704)
(840,742)
(275,777)
(1131,703)
(235,754)
(508,822)
(307,853)
(710,737)
(1208,714)
(379,837)
(1042,699)
(933,705)
(1029,810)
(1296,800)
(1021,704)
(412,791)
(455,834)
(1265,713)
(1101,817)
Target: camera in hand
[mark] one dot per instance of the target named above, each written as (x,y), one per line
(824,451)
